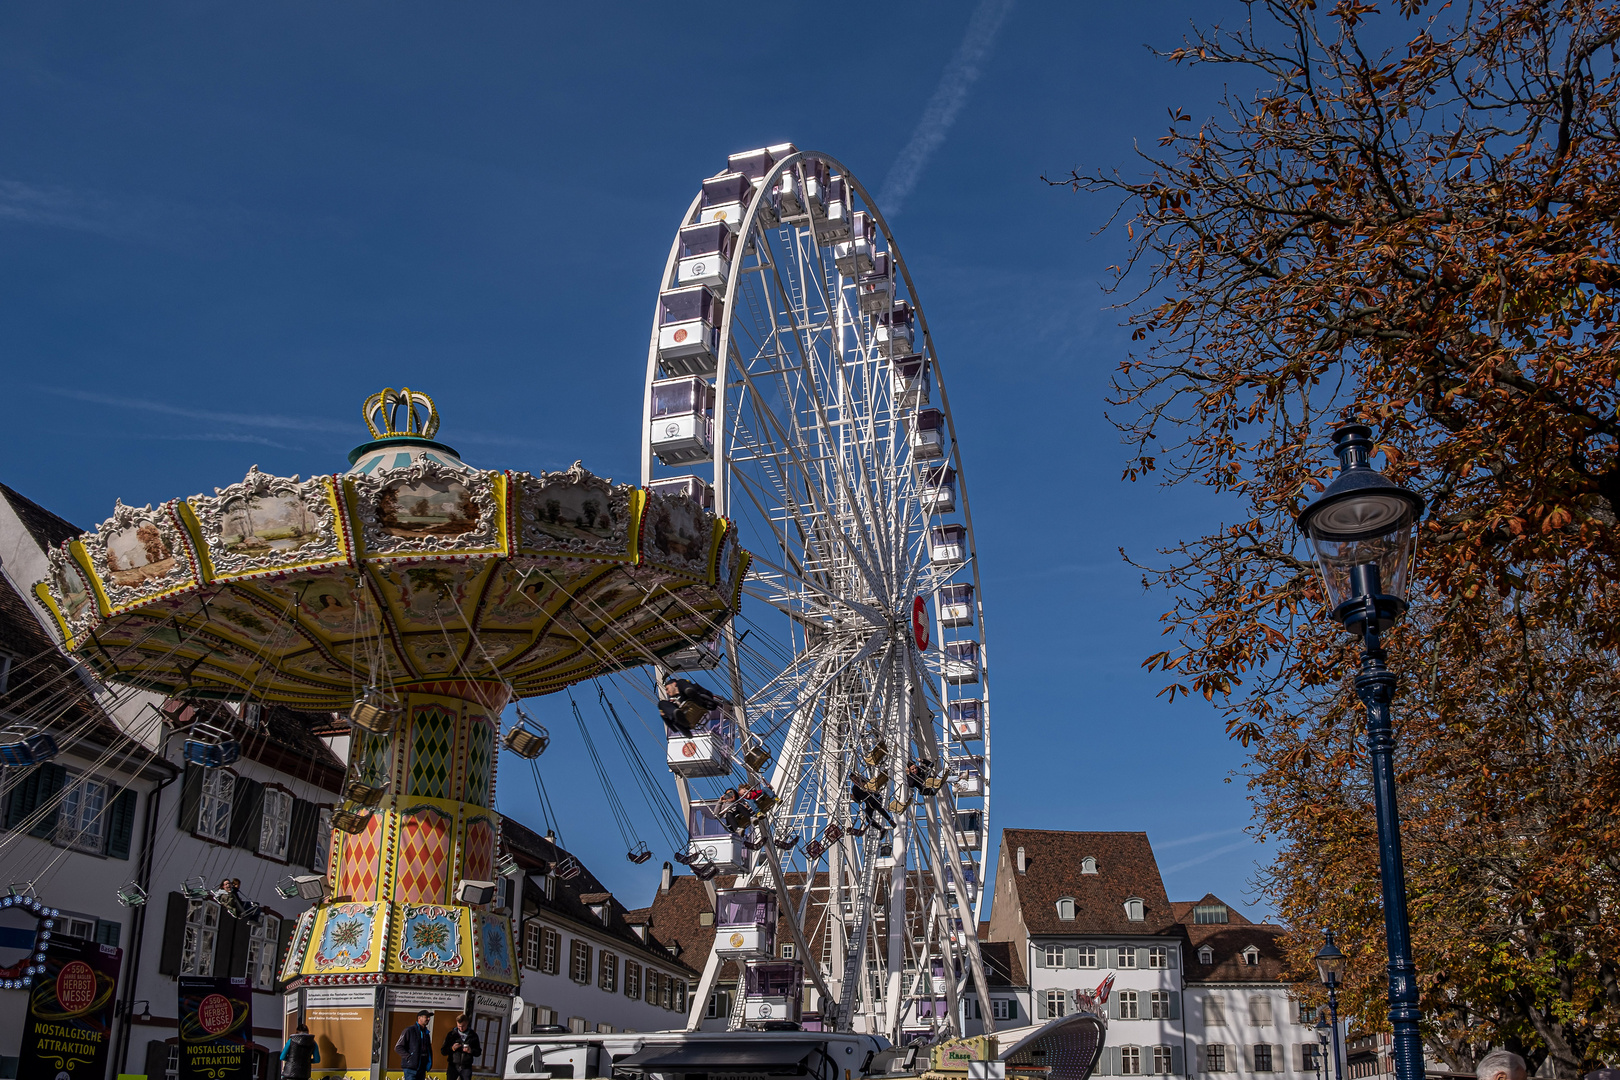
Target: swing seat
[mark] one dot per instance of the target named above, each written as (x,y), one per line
(506,865)
(26,748)
(375,714)
(704,870)
(287,889)
(757,758)
(211,747)
(195,889)
(832,833)
(526,738)
(569,869)
(874,756)
(639,854)
(362,794)
(130,894)
(813,849)
(786,843)
(348,821)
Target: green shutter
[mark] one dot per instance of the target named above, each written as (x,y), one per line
(1071,957)
(1142,958)
(174,936)
(191,798)
(1175,1005)
(1040,1004)
(51,779)
(1040,956)
(1176,1061)
(306,819)
(283,946)
(107,933)
(121,824)
(247,813)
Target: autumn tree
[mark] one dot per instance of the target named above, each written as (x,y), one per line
(1408,221)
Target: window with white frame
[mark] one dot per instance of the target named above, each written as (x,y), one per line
(1307,1013)
(550,950)
(632,980)
(607,972)
(1206,955)
(276,824)
(202,934)
(1159,1004)
(719,1006)
(1088,865)
(531,945)
(1311,1056)
(787,950)
(1214,1011)
(1065,909)
(1087,956)
(1054,956)
(1251,957)
(1130,1060)
(1128,1005)
(1215,1058)
(1057,1003)
(261,963)
(1262,1057)
(1161,1061)
(1001,1008)
(1126,957)
(1159,956)
(75,926)
(579,961)
(81,818)
(323,839)
(1260,1010)
(214,811)
(1135,911)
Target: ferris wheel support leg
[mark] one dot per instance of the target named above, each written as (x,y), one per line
(897,931)
(970,933)
(705,987)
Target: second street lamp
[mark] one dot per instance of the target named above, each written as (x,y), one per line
(1363,530)
(1330,966)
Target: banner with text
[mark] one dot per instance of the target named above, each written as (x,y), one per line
(216,1029)
(70,1011)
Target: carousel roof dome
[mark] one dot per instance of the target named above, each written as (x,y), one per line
(411,569)
(403,423)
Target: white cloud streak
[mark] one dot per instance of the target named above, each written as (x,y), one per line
(1196,839)
(1208,855)
(949,97)
(163,408)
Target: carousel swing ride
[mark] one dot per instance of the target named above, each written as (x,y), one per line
(419,596)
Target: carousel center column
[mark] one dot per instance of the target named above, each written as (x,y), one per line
(411,922)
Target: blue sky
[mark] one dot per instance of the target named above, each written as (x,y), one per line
(223,225)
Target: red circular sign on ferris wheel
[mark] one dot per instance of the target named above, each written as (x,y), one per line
(919,623)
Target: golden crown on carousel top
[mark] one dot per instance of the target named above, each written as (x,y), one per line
(411,568)
(385,411)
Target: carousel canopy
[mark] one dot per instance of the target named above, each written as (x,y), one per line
(412,568)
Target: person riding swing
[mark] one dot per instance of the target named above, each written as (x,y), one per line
(686,705)
(867,795)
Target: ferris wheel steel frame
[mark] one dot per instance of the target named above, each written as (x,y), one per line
(812,781)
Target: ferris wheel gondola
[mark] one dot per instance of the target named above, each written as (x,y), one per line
(793,385)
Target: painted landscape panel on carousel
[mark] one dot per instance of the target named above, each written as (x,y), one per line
(519,596)
(675,532)
(426,507)
(574,513)
(434,595)
(138,553)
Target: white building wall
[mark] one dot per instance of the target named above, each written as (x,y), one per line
(1241,1017)
(1143,1032)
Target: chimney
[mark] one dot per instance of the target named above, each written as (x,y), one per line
(1020,858)
(664,879)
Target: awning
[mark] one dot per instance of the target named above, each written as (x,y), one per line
(740,1055)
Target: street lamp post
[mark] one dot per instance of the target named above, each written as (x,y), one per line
(1330,966)
(1323,1033)
(1363,528)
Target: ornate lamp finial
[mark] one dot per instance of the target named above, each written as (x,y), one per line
(383,414)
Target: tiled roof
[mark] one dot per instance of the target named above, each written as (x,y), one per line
(572,899)
(1184,910)
(1229,941)
(46,528)
(1126,870)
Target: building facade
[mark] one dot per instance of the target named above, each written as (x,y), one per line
(1245,1020)
(585,963)
(1079,908)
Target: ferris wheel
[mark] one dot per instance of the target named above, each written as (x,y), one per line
(793,385)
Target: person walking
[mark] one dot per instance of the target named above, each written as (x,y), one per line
(461,1048)
(415,1047)
(299,1053)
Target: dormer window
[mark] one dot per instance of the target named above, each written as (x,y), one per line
(1251,957)
(1065,908)
(1134,910)
(1206,955)
(1088,865)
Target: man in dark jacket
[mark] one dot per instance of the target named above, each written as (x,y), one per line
(686,705)
(415,1047)
(461,1049)
(299,1054)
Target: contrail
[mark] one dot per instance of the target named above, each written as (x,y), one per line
(949,97)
